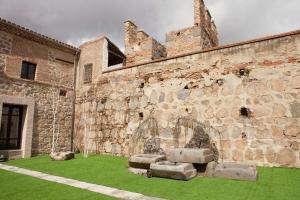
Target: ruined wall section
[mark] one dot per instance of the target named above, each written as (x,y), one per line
(211,88)
(14,50)
(140,47)
(201,36)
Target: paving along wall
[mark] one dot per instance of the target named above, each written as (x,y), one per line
(14,50)
(215,88)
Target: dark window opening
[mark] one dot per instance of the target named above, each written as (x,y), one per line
(245,112)
(62,93)
(28,70)
(88,73)
(115,56)
(11,127)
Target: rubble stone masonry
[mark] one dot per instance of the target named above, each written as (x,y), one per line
(249,93)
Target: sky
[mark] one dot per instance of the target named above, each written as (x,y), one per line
(77,21)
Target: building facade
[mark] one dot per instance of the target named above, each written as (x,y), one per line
(36,86)
(246,96)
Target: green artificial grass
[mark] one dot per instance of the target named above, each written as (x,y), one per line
(273,183)
(20,187)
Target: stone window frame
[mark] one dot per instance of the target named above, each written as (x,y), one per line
(88,73)
(28,117)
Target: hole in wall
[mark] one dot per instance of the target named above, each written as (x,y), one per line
(139,43)
(245,112)
(141,115)
(178,34)
(103,100)
(243,72)
(244,136)
(220,82)
(142,85)
(62,93)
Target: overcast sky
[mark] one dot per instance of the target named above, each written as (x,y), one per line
(76,21)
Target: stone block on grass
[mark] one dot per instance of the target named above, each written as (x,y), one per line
(60,156)
(236,171)
(178,171)
(187,155)
(143,161)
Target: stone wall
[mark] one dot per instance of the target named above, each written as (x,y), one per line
(202,35)
(140,47)
(247,96)
(55,72)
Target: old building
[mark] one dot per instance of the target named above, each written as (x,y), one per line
(36,76)
(245,95)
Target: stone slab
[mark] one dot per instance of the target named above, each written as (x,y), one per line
(186,155)
(62,156)
(178,171)
(236,171)
(142,172)
(143,161)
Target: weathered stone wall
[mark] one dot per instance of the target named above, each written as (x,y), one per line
(201,36)
(259,79)
(54,67)
(140,47)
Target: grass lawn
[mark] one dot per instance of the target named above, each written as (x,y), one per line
(274,183)
(20,187)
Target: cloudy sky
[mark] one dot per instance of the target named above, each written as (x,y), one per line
(76,21)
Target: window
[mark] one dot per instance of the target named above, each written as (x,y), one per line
(11,127)
(88,73)
(28,70)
